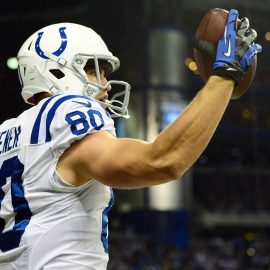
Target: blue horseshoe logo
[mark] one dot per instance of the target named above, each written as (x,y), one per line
(59,51)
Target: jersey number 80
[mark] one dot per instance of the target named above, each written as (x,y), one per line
(79,123)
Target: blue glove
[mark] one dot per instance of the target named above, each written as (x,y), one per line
(236,49)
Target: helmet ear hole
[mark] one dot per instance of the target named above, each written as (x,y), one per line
(57,73)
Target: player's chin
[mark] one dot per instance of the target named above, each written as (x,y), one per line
(103,98)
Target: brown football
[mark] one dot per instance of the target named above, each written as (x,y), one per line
(211,29)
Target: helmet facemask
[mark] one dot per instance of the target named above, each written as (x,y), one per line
(117,104)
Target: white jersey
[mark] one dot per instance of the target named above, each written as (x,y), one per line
(45,223)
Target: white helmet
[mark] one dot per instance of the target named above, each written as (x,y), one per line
(53,60)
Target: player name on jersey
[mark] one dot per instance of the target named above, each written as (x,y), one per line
(9,139)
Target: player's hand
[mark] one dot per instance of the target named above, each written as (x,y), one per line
(236,49)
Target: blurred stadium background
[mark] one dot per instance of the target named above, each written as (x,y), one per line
(218,216)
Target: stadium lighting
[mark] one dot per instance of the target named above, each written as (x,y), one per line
(267,36)
(12,63)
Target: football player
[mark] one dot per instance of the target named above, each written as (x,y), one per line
(60,159)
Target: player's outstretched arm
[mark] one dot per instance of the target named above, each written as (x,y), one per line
(129,163)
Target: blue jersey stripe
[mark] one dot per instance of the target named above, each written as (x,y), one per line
(36,128)
(50,116)
(52,112)
(104,236)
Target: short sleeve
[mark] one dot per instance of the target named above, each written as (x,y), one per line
(64,119)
